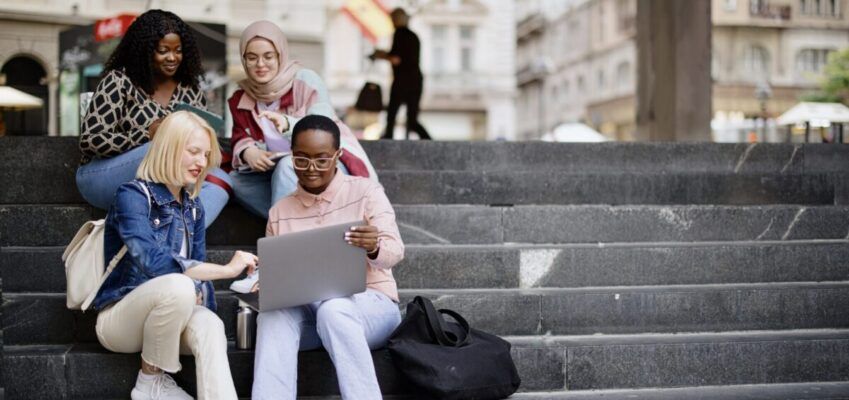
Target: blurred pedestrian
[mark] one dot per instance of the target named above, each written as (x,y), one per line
(408,80)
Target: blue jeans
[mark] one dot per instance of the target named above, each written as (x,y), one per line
(258,191)
(348,327)
(98,181)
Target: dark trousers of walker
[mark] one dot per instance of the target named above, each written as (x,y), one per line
(409,93)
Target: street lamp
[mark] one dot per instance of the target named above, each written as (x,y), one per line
(763,92)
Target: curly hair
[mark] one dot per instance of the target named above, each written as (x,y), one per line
(135,52)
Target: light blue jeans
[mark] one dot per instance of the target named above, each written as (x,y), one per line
(258,191)
(98,181)
(347,327)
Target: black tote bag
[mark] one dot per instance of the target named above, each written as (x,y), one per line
(370,98)
(449,360)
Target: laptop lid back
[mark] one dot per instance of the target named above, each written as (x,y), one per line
(304,267)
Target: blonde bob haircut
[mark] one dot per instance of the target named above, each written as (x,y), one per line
(163,160)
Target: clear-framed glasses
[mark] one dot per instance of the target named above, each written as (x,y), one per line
(320,164)
(268,58)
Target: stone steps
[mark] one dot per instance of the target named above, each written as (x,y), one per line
(527,173)
(555,363)
(536,266)
(532,187)
(784,391)
(57,152)
(617,270)
(41,318)
(54,225)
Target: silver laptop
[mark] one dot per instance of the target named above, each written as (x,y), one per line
(304,267)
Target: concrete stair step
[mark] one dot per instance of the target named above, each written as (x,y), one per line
(522,173)
(516,188)
(529,156)
(39,318)
(775,391)
(554,363)
(520,187)
(535,266)
(55,225)
(606,157)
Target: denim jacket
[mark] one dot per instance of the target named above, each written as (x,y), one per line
(153,233)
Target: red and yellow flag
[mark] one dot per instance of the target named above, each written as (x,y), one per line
(371,16)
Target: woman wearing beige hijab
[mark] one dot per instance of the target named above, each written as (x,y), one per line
(276,93)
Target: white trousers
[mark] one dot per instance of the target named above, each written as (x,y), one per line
(347,327)
(161,319)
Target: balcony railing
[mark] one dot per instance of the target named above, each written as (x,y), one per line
(768,11)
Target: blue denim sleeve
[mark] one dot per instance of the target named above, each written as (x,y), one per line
(132,216)
(199,237)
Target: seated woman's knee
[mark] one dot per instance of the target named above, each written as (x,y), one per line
(178,288)
(208,324)
(333,310)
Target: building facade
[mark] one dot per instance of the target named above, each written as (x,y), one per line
(766,54)
(468,52)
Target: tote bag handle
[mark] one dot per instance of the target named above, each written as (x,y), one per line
(437,324)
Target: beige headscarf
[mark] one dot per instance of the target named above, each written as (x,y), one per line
(282,82)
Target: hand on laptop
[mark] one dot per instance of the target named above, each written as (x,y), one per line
(364,236)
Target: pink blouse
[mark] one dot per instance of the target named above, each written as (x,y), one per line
(347,198)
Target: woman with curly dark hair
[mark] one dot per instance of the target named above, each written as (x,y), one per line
(156,65)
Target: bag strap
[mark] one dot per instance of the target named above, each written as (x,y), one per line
(114,262)
(437,324)
(467,337)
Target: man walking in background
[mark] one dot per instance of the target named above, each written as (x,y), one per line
(407,85)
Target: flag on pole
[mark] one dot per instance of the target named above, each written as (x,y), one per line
(371,16)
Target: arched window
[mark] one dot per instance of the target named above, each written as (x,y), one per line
(27,75)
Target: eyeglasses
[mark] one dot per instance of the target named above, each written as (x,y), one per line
(253,59)
(320,164)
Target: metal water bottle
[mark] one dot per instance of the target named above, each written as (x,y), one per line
(245,327)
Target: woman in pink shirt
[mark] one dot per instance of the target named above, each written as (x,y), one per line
(347,327)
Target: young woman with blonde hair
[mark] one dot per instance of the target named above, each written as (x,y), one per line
(159,299)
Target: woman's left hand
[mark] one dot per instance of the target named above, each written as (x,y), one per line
(278,119)
(364,236)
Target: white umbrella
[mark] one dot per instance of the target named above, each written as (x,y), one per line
(814,113)
(14,99)
(574,132)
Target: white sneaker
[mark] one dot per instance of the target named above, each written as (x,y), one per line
(162,387)
(245,285)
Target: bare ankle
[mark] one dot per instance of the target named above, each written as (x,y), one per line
(149,369)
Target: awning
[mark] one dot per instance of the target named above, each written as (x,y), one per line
(815,113)
(574,132)
(14,99)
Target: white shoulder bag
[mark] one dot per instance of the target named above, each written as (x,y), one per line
(83,259)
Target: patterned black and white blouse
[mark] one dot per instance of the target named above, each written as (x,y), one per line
(119,115)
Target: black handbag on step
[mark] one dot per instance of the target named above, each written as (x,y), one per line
(370,98)
(449,360)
